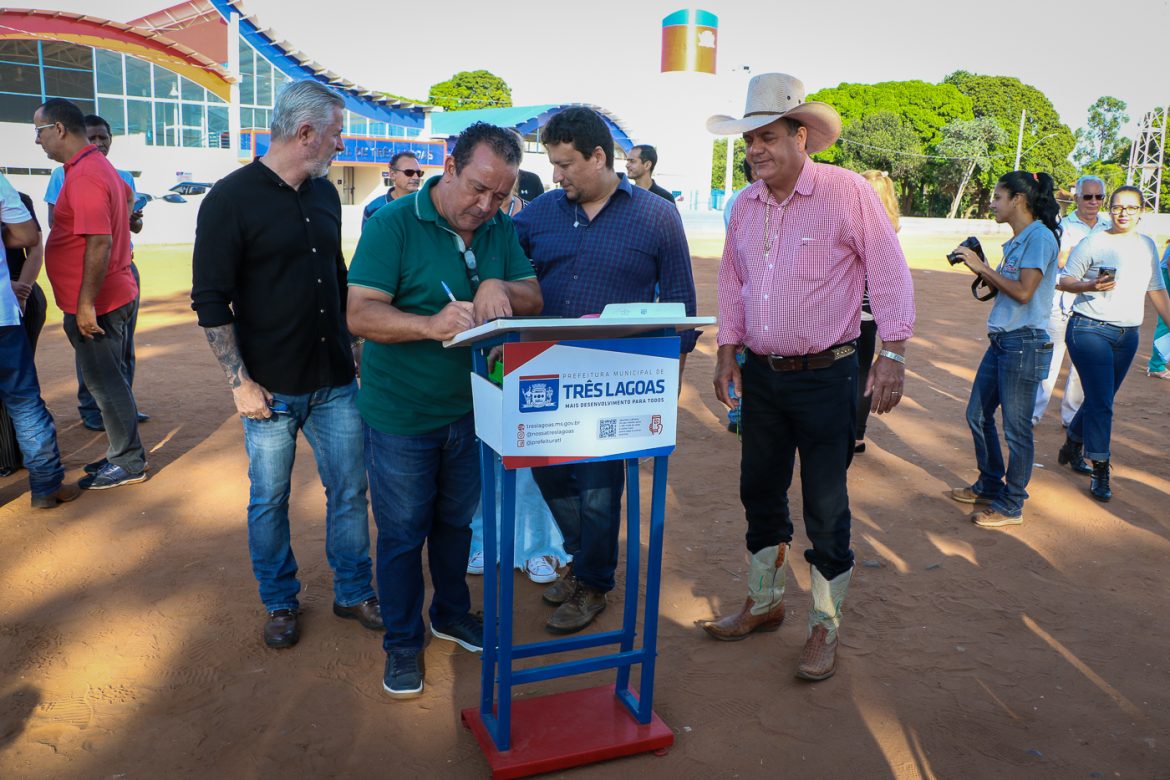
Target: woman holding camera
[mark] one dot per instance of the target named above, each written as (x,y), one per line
(1110,271)
(1020,352)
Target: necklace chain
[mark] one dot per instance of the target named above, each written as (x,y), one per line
(767,226)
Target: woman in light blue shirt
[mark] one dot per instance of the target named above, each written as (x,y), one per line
(1111,272)
(1020,350)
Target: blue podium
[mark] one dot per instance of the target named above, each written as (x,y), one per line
(575,390)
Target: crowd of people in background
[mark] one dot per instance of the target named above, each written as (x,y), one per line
(816,306)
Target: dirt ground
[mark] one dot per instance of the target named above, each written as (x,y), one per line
(130,626)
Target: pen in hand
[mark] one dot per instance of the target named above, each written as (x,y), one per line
(447,290)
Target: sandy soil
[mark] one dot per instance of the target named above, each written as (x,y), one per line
(129,622)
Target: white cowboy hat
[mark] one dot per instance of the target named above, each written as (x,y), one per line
(771,96)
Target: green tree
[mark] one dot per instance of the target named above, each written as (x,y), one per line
(1047,143)
(970,143)
(470,89)
(882,141)
(924,108)
(1101,141)
(719,165)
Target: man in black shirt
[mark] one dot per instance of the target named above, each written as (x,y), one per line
(640,164)
(270,290)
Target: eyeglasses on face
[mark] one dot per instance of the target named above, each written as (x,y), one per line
(1128,210)
(408,172)
(39,128)
(1093,196)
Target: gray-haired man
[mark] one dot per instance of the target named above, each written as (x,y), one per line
(1085,220)
(270,291)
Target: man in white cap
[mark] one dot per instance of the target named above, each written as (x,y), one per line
(802,241)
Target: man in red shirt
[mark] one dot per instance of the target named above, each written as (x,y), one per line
(87,259)
(801,244)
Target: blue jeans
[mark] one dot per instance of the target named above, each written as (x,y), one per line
(21,393)
(87,405)
(1102,354)
(1013,367)
(586,501)
(536,532)
(423,488)
(331,423)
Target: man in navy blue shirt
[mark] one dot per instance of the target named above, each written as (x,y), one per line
(597,240)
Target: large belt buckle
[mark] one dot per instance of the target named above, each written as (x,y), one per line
(842,352)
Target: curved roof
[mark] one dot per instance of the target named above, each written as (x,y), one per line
(297,65)
(28,24)
(525,119)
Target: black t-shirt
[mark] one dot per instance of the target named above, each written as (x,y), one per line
(268,258)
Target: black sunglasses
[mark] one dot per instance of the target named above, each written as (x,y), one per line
(1093,197)
(417,173)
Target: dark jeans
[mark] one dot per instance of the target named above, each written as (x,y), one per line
(812,412)
(586,501)
(87,407)
(21,393)
(1012,368)
(101,361)
(1102,354)
(866,346)
(423,488)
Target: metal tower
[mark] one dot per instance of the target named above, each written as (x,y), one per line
(1146,156)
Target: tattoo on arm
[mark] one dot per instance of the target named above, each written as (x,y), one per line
(226,349)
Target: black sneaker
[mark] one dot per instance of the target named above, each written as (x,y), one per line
(403,678)
(467,632)
(111,475)
(98,465)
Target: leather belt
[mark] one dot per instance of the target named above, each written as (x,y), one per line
(805,362)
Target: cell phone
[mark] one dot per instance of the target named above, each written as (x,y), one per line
(1106,273)
(276,406)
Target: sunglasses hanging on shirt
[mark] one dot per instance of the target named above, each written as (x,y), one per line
(469,261)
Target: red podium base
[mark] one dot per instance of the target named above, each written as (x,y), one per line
(569,729)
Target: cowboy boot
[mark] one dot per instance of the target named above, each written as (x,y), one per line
(818,659)
(764,608)
(1073,453)
(1099,482)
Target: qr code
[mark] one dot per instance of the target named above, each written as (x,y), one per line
(607,429)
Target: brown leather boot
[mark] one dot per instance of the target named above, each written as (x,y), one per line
(737,626)
(818,659)
(560,591)
(764,608)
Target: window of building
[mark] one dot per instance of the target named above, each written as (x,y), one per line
(166,125)
(189,90)
(138,119)
(137,78)
(166,84)
(113,110)
(109,72)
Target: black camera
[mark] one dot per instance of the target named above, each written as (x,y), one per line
(972,243)
(980,289)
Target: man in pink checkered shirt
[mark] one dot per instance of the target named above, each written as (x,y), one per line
(802,242)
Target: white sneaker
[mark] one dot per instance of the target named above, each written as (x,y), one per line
(475,565)
(541,569)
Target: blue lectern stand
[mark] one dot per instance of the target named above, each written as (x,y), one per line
(557,731)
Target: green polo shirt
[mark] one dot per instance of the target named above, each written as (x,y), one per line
(407,250)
